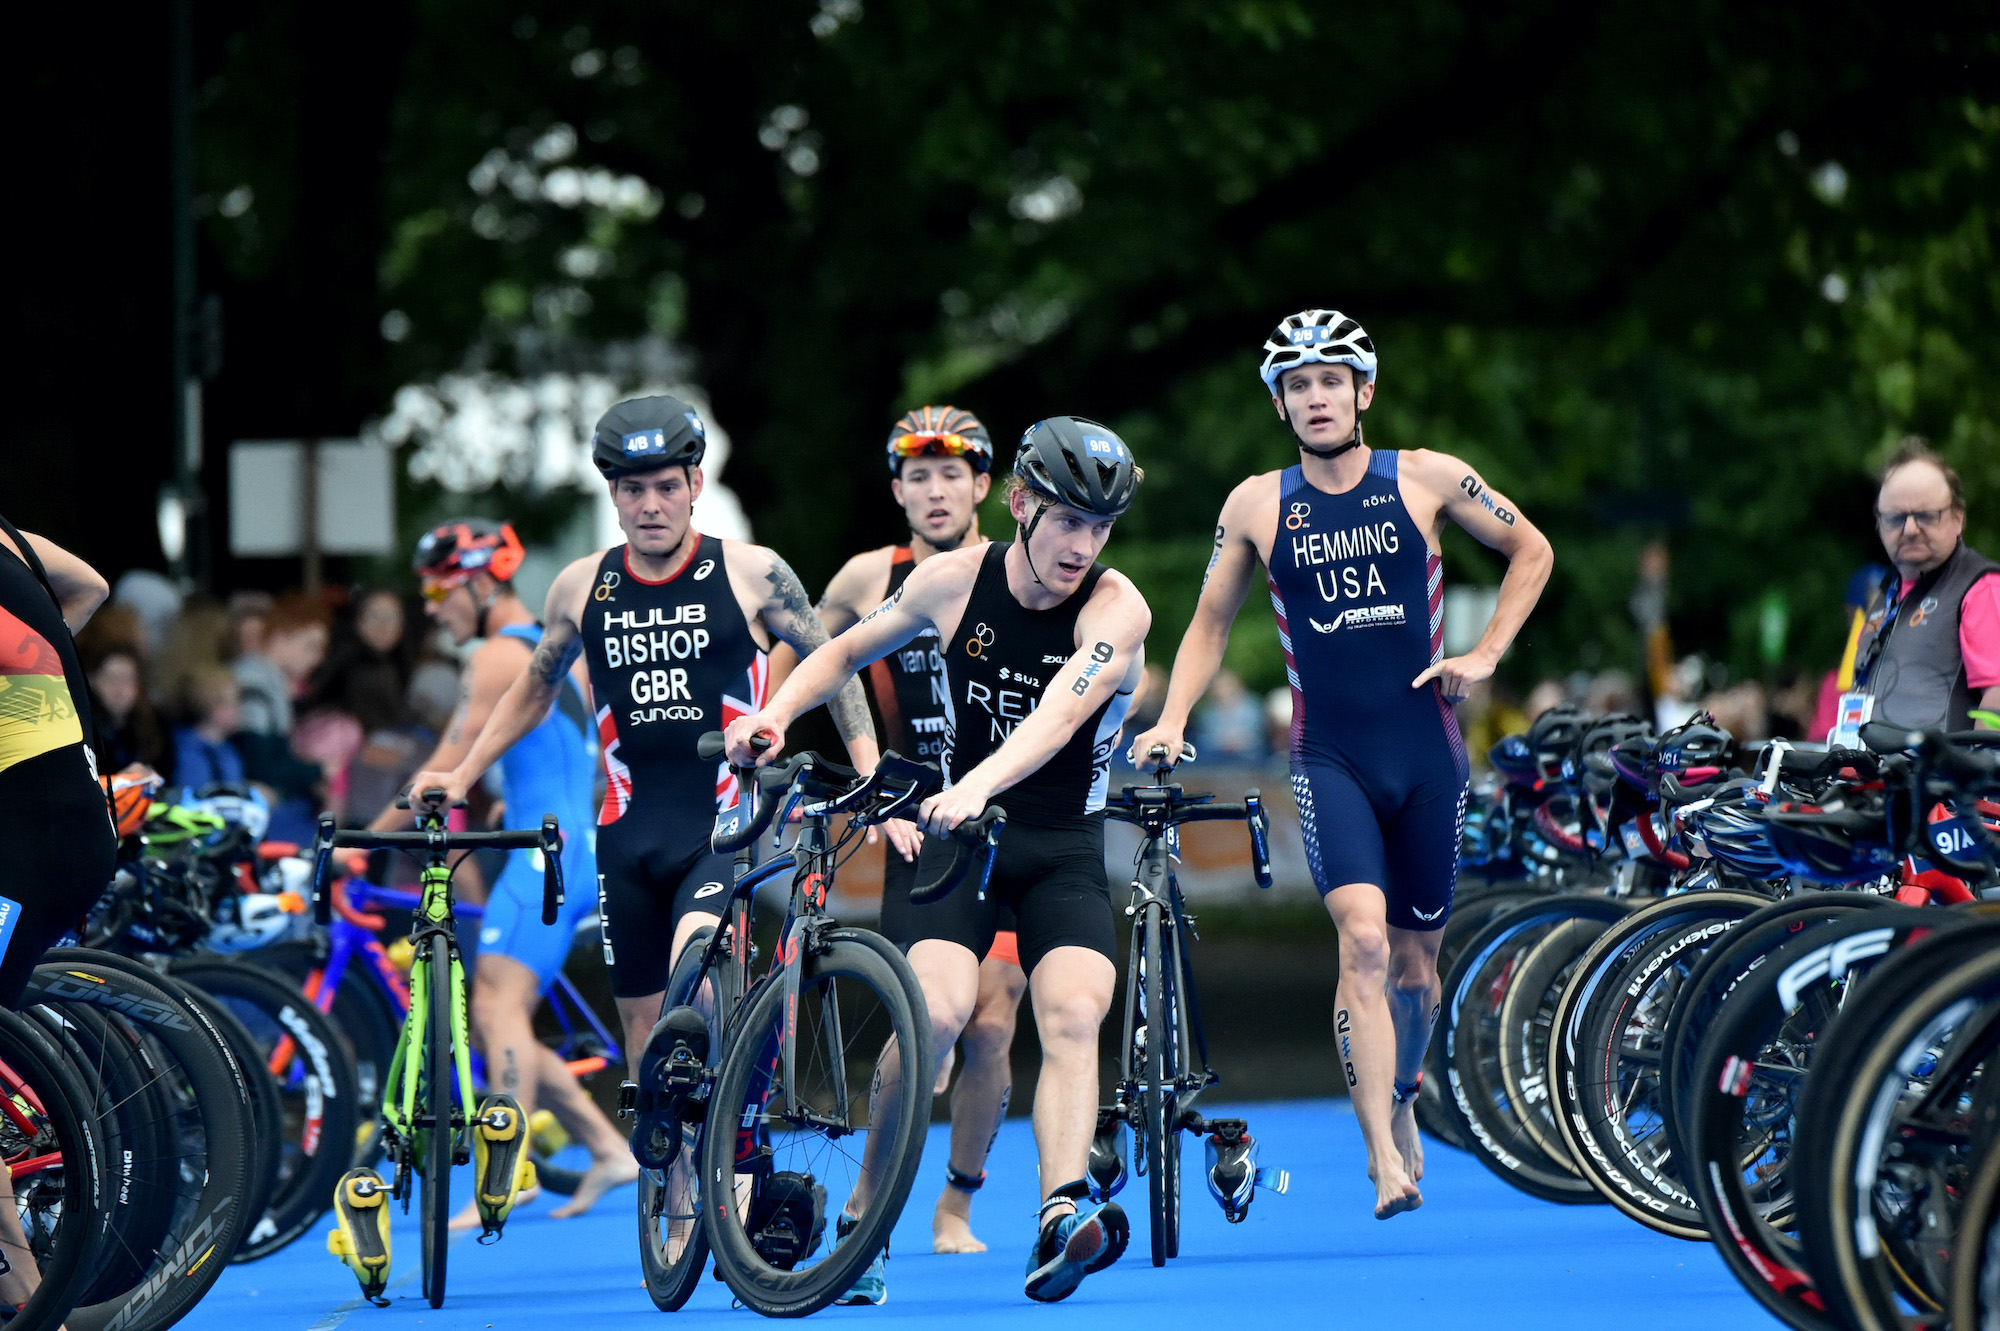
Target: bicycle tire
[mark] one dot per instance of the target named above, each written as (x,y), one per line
(209,1216)
(672,1275)
(319,1090)
(1527,1019)
(1156,1097)
(1469,911)
(439,1142)
(1744,1112)
(1848,1117)
(1975,1262)
(369,1024)
(747,1084)
(1477,1100)
(1604,1081)
(266,1113)
(65,1202)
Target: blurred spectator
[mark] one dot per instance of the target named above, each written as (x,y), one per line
(388,758)
(1278,719)
(1543,696)
(329,738)
(294,643)
(367,673)
(154,600)
(198,640)
(203,754)
(1741,709)
(1611,691)
(1866,590)
(128,729)
(246,622)
(1229,723)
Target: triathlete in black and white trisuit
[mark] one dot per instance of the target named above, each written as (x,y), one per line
(1042,648)
(674,626)
(940,460)
(1349,539)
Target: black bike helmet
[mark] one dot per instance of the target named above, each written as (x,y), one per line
(1840,843)
(1511,757)
(645,434)
(1694,745)
(1591,763)
(1075,461)
(1553,736)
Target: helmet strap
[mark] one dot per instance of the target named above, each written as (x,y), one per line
(1028,534)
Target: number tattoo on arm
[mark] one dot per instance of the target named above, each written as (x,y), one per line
(1476,490)
(1100,657)
(1214,558)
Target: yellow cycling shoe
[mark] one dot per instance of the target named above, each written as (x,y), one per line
(360,1205)
(550,1136)
(501,1167)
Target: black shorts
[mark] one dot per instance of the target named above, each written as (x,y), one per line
(60,857)
(898,877)
(648,876)
(1051,880)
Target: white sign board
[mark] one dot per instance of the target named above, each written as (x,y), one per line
(356,508)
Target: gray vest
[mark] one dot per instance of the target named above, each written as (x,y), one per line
(1915,672)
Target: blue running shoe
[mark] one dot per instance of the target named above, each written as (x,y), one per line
(1073,1246)
(872,1286)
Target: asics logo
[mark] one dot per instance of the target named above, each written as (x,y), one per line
(708,890)
(703,569)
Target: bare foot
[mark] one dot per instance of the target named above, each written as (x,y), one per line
(468,1215)
(1409,1142)
(1395,1192)
(951,1224)
(600,1178)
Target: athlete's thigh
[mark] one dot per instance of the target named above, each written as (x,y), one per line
(635,900)
(1338,822)
(1059,893)
(1421,844)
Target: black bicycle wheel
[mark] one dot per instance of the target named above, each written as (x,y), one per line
(1474,993)
(1470,910)
(1527,1016)
(673,1245)
(267,1114)
(436,1143)
(1975,1261)
(789,1153)
(368,1023)
(1607,1055)
(61,1187)
(1885,1135)
(203,1183)
(1743,1116)
(297,1053)
(1156,1097)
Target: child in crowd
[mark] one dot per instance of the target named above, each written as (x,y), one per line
(203,754)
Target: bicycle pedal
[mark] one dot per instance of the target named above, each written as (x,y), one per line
(1233,1175)
(671,1069)
(500,1147)
(628,1098)
(360,1237)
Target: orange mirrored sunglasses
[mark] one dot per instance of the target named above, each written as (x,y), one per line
(950,445)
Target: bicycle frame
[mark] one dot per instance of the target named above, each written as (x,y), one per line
(399,1091)
(1156,892)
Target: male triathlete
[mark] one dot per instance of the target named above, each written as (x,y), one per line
(466,567)
(940,459)
(1349,537)
(675,626)
(1042,648)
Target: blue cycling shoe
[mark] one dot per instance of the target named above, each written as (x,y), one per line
(1073,1246)
(872,1286)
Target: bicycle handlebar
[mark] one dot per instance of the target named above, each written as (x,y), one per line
(980,836)
(439,841)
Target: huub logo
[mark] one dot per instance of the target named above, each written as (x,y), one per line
(609,581)
(981,639)
(1297,517)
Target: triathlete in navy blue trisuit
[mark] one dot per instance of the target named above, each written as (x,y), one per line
(1349,538)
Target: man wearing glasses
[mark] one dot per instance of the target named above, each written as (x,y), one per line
(1930,658)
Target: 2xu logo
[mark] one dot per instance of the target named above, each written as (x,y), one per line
(1830,963)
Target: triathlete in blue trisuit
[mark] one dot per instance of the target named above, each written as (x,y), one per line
(466,567)
(1349,537)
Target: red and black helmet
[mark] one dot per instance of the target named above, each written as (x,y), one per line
(451,552)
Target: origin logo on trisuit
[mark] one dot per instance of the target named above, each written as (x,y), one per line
(1362,616)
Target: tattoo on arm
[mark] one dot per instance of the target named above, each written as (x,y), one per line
(1476,490)
(1214,558)
(885,607)
(790,615)
(561,644)
(1100,657)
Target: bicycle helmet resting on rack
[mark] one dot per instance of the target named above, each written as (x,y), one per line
(644,434)
(1840,843)
(1552,738)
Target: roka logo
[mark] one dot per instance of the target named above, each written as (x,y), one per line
(1830,963)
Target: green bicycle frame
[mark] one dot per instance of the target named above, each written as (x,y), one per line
(399,1090)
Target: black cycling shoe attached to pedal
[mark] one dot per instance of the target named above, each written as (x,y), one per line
(670,1080)
(1106,1171)
(963,1182)
(786,1218)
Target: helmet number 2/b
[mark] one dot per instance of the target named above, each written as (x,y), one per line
(1100,656)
